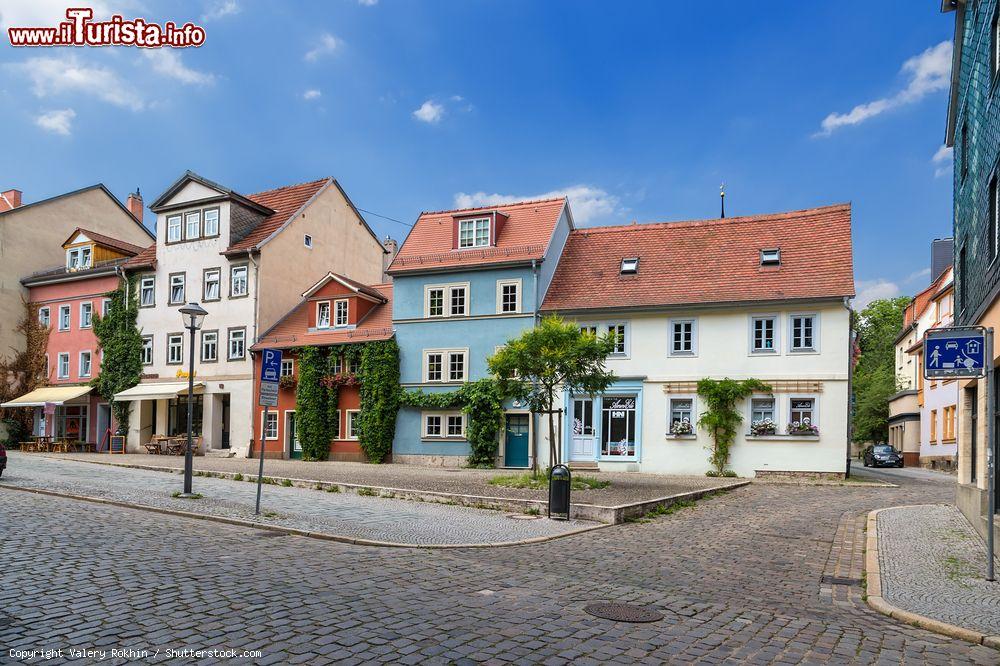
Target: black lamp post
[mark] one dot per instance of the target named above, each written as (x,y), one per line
(193,315)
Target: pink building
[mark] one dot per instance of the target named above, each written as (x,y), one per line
(68,299)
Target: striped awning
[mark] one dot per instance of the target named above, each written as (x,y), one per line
(57,395)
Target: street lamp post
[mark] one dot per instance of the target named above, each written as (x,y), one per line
(193,315)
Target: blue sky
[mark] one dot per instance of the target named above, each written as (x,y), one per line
(638,110)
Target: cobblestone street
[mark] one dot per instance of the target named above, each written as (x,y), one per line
(739,578)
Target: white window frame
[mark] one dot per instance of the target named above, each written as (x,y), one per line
(694,337)
(446,355)
(443,417)
(629,266)
(79,258)
(69,318)
(183,286)
(427,366)
(105,307)
(215,357)
(474,224)
(290,364)
(814,348)
(803,396)
(323,308)
(147,282)
(336,426)
(90,362)
(230,336)
(217,273)
(337,323)
(694,410)
(770,256)
(350,415)
(603,330)
(171,338)
(196,214)
(245,280)
(86,321)
(427,300)
(46,318)
(516,283)
(265,429)
(204,223)
(776,347)
(60,359)
(147,339)
(446,297)
(171,219)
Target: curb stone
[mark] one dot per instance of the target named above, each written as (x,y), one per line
(878,603)
(322,536)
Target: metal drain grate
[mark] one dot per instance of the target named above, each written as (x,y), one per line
(837,580)
(623,612)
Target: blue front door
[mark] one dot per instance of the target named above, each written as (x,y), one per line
(516,441)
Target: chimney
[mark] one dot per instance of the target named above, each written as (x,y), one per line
(391,248)
(134,204)
(942,255)
(10,200)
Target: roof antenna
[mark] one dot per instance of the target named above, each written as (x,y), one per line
(722,198)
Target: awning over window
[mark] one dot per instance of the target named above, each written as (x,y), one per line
(159,391)
(58,395)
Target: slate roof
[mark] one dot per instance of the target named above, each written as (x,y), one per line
(525,236)
(707,261)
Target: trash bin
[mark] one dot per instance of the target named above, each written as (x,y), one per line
(560,480)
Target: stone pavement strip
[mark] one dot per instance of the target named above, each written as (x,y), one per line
(932,564)
(376,519)
(738,578)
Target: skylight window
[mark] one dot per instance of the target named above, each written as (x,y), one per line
(630,266)
(770,257)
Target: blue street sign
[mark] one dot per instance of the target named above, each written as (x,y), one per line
(270,373)
(954,352)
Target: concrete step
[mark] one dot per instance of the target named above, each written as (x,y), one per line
(584,467)
(220,453)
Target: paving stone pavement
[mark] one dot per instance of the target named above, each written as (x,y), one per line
(933,563)
(341,514)
(738,578)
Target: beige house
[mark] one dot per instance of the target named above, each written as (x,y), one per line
(32,237)
(246,260)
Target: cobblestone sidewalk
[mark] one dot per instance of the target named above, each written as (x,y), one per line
(342,514)
(933,563)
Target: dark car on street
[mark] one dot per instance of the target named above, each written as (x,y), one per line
(3,459)
(882,455)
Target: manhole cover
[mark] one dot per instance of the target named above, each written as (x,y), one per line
(267,533)
(522,516)
(837,580)
(624,612)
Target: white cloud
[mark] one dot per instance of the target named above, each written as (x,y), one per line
(58,121)
(220,9)
(67,74)
(311,94)
(429,112)
(589,204)
(368,3)
(326,45)
(916,275)
(943,160)
(168,63)
(873,290)
(928,72)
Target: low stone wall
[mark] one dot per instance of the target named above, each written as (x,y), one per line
(429,461)
(787,475)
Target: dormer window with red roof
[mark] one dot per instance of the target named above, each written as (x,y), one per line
(474,233)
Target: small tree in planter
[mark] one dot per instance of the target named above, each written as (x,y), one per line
(553,355)
(722,418)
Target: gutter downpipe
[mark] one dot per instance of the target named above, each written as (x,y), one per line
(850,384)
(256,314)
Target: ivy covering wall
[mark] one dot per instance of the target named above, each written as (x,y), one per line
(121,342)
(380,395)
(311,418)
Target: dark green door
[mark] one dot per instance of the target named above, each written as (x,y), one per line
(516,441)
(294,447)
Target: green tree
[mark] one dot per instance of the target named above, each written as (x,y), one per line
(553,355)
(722,418)
(875,380)
(121,343)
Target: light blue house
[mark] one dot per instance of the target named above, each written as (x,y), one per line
(465,282)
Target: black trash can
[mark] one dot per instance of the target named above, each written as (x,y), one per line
(560,480)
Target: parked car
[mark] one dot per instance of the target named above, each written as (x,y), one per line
(3,459)
(882,455)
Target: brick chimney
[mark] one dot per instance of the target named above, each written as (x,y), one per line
(134,204)
(391,248)
(10,200)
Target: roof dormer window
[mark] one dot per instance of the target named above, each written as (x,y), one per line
(78,258)
(770,257)
(474,233)
(630,266)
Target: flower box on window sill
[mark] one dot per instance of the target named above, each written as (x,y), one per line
(690,435)
(781,437)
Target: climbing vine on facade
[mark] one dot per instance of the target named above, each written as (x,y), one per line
(23,373)
(311,417)
(121,344)
(379,370)
(722,418)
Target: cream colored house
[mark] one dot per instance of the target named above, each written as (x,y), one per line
(32,237)
(245,260)
(764,297)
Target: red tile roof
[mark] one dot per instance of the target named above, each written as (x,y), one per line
(708,261)
(293,329)
(525,236)
(145,259)
(285,202)
(106,241)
